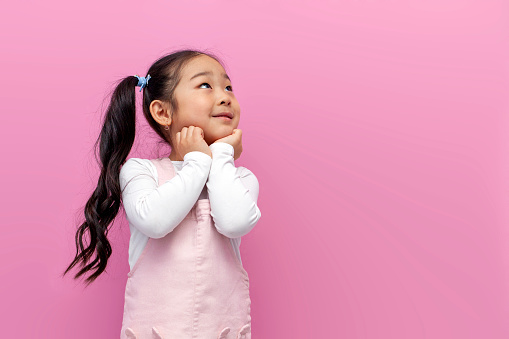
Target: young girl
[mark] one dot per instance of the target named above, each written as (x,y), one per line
(187,212)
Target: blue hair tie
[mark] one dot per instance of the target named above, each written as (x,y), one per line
(142,81)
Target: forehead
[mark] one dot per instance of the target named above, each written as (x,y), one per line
(202,63)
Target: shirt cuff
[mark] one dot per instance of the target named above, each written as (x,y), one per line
(197,155)
(222,147)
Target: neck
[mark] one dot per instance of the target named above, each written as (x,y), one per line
(174,157)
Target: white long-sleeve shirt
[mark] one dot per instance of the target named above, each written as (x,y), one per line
(154,211)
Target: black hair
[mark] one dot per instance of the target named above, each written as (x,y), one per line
(115,142)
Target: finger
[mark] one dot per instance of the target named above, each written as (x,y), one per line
(190,131)
(195,131)
(177,138)
(200,131)
(184,133)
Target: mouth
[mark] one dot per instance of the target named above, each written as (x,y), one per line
(227,115)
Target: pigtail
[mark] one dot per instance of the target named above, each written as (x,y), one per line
(115,142)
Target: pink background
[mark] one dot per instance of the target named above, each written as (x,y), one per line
(378,131)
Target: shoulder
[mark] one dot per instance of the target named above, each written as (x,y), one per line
(137,166)
(249,181)
(244,172)
(247,177)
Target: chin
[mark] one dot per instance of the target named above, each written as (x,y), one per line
(210,140)
(212,137)
(226,132)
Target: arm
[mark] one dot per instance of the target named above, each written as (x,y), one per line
(233,193)
(156,210)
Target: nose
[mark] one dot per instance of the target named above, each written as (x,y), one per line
(225,99)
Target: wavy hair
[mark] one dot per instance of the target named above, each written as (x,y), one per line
(113,145)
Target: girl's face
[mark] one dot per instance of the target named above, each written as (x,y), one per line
(203,92)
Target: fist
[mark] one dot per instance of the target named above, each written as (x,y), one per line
(190,139)
(234,139)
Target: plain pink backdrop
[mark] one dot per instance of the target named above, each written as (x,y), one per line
(378,131)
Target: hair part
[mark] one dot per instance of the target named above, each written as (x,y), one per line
(114,145)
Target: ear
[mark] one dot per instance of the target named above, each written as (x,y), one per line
(160,111)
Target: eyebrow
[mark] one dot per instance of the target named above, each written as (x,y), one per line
(208,73)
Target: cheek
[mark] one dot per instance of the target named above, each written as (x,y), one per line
(196,117)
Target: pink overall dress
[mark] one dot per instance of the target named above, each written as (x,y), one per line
(189,283)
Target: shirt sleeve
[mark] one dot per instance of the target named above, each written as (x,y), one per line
(156,210)
(233,193)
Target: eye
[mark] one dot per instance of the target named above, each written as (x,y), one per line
(205,83)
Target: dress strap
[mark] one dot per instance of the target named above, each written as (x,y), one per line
(165,169)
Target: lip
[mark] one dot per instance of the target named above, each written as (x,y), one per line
(228,114)
(224,119)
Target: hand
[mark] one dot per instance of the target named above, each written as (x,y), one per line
(191,139)
(234,139)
